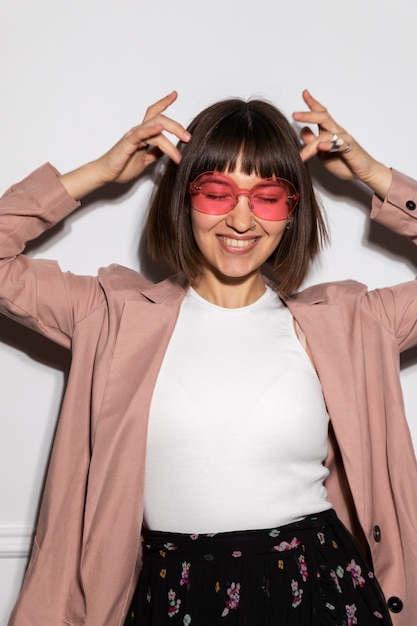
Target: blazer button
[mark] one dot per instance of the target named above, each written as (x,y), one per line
(377,533)
(411,205)
(395,605)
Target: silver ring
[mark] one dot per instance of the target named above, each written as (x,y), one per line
(336,142)
(347,149)
(253,225)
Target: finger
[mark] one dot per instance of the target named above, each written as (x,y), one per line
(163,145)
(160,105)
(338,142)
(146,134)
(151,138)
(172,126)
(329,144)
(318,114)
(151,135)
(307,135)
(310,144)
(320,118)
(139,136)
(316,108)
(155,110)
(311,102)
(309,151)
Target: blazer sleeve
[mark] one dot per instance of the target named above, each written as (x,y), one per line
(37,293)
(398,211)
(395,307)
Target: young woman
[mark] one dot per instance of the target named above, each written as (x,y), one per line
(220,431)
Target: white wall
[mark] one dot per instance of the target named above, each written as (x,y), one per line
(76,74)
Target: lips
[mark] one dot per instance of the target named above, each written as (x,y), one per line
(237,243)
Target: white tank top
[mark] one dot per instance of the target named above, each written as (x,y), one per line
(238,426)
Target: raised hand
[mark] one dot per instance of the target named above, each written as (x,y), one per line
(339,152)
(136,150)
(143,144)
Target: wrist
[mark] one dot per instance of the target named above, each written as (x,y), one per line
(83,180)
(379,179)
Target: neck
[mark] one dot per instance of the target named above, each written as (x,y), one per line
(230,293)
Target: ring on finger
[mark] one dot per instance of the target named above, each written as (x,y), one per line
(336,142)
(347,149)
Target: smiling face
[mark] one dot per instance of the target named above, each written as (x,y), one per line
(234,246)
(248,140)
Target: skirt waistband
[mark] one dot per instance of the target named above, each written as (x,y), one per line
(278,539)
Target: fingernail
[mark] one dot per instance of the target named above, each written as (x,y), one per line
(186,135)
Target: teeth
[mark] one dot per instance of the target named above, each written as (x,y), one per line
(238,243)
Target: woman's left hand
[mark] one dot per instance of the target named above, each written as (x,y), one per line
(339,152)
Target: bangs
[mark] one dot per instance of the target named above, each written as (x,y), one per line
(246,136)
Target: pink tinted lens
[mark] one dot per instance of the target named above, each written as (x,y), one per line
(273,200)
(212,195)
(216,194)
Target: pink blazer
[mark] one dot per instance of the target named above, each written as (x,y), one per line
(87,552)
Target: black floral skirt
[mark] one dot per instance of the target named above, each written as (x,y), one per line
(309,573)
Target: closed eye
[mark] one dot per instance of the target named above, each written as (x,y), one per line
(268,199)
(216,196)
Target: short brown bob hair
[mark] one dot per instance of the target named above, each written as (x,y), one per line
(259,134)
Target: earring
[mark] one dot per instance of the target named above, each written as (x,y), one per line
(288,225)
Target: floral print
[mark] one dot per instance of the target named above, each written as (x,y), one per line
(336,580)
(296,594)
(234,596)
(284,545)
(185,573)
(350,614)
(303,567)
(355,570)
(227,578)
(174,603)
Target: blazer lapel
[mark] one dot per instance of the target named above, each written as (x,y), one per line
(119,440)
(143,335)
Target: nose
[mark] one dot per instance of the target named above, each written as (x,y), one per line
(240,217)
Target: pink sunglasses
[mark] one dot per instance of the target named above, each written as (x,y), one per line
(215,193)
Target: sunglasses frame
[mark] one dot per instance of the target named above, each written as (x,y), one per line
(194,189)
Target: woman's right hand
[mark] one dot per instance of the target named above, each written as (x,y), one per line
(132,154)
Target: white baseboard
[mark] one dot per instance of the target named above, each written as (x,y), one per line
(15,541)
